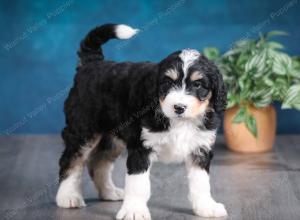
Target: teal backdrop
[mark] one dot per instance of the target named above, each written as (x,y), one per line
(39,40)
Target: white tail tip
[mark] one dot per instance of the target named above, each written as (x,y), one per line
(125,32)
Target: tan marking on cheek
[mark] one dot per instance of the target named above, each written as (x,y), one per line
(173,74)
(161,102)
(200,107)
(196,76)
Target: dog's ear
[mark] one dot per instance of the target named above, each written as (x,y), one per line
(219,96)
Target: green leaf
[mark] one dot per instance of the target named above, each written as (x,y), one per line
(276,33)
(295,70)
(281,62)
(262,97)
(231,100)
(292,98)
(212,53)
(240,116)
(251,125)
(243,58)
(275,45)
(244,45)
(262,103)
(256,64)
(268,81)
(230,103)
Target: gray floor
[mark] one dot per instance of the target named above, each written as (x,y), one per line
(265,186)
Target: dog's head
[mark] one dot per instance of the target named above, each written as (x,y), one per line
(190,85)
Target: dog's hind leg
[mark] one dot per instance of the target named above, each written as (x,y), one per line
(72,163)
(100,166)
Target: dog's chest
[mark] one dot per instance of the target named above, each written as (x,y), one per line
(176,144)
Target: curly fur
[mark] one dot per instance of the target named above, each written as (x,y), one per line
(122,99)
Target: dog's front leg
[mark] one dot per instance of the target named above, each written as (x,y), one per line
(137,184)
(199,187)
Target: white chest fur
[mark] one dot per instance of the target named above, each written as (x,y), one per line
(178,142)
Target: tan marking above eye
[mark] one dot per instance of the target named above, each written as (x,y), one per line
(173,74)
(196,76)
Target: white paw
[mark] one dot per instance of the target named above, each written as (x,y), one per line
(70,201)
(134,212)
(114,194)
(209,208)
(68,198)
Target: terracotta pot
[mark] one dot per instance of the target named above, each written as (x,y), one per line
(239,138)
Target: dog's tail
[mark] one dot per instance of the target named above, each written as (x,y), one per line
(90,49)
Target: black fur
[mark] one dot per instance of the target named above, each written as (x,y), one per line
(119,98)
(202,157)
(138,157)
(90,49)
(211,120)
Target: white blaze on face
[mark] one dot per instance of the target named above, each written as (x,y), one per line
(188,57)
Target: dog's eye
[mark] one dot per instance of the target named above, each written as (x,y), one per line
(168,79)
(197,84)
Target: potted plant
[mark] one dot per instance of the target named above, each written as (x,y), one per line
(256,73)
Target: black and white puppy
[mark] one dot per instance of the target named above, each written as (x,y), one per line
(167,111)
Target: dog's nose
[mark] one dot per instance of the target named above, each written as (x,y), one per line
(179,108)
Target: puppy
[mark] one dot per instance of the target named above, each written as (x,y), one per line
(167,111)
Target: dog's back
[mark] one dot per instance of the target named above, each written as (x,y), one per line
(103,89)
